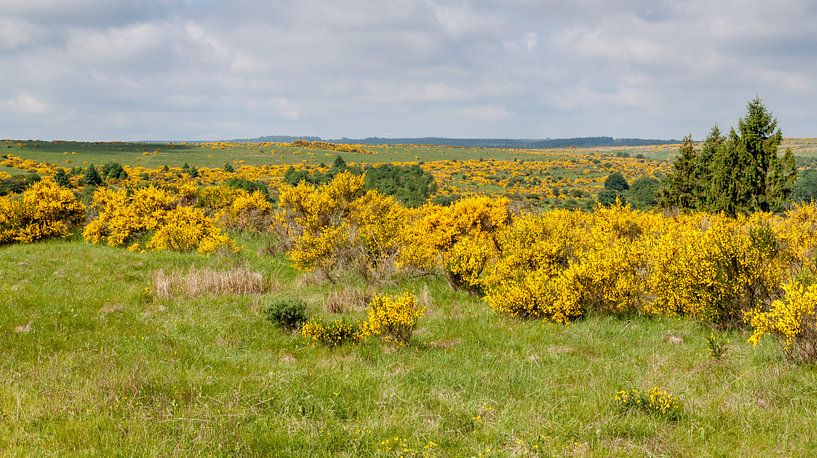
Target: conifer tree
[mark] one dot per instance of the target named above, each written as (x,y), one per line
(92,177)
(61,178)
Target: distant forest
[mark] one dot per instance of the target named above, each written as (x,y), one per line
(587,142)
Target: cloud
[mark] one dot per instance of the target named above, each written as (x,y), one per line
(184,69)
(27,104)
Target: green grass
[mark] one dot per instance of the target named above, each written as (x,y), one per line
(106,369)
(200,155)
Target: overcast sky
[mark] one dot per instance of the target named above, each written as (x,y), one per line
(207,69)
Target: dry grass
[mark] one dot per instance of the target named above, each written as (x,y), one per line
(195,283)
(347,299)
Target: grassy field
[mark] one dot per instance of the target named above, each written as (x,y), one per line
(68,154)
(94,364)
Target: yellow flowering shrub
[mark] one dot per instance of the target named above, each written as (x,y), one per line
(377,223)
(247,211)
(656,401)
(431,239)
(338,224)
(187,229)
(393,318)
(43,210)
(791,320)
(123,216)
(217,197)
(465,262)
(331,334)
(533,251)
(716,268)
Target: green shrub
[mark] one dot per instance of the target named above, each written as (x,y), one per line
(333,333)
(287,313)
(656,401)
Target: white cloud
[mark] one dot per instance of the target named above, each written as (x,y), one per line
(181,69)
(27,104)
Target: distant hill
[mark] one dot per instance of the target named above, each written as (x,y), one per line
(587,142)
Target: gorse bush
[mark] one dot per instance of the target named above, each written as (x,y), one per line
(189,229)
(393,318)
(43,210)
(287,313)
(123,216)
(332,333)
(791,320)
(657,401)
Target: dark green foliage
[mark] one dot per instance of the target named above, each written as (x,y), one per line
(738,173)
(643,191)
(614,187)
(445,200)
(287,313)
(228,167)
(293,177)
(410,184)
(249,186)
(114,170)
(18,183)
(61,178)
(805,188)
(608,197)
(317,177)
(92,177)
(616,182)
(682,189)
(193,172)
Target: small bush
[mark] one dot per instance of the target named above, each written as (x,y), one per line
(332,334)
(792,321)
(656,401)
(717,344)
(287,313)
(393,318)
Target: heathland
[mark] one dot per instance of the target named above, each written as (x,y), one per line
(308,298)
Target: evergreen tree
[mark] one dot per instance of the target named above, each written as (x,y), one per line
(61,178)
(642,192)
(92,177)
(616,182)
(738,173)
(747,174)
(681,189)
(228,167)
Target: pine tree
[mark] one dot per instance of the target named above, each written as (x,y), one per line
(747,174)
(61,178)
(681,189)
(228,167)
(737,173)
(92,177)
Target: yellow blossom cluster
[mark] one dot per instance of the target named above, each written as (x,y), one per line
(43,210)
(187,229)
(792,320)
(339,147)
(393,318)
(656,401)
(331,334)
(338,223)
(123,216)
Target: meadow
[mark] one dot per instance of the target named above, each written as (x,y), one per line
(528,327)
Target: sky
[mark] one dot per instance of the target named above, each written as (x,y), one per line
(206,69)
